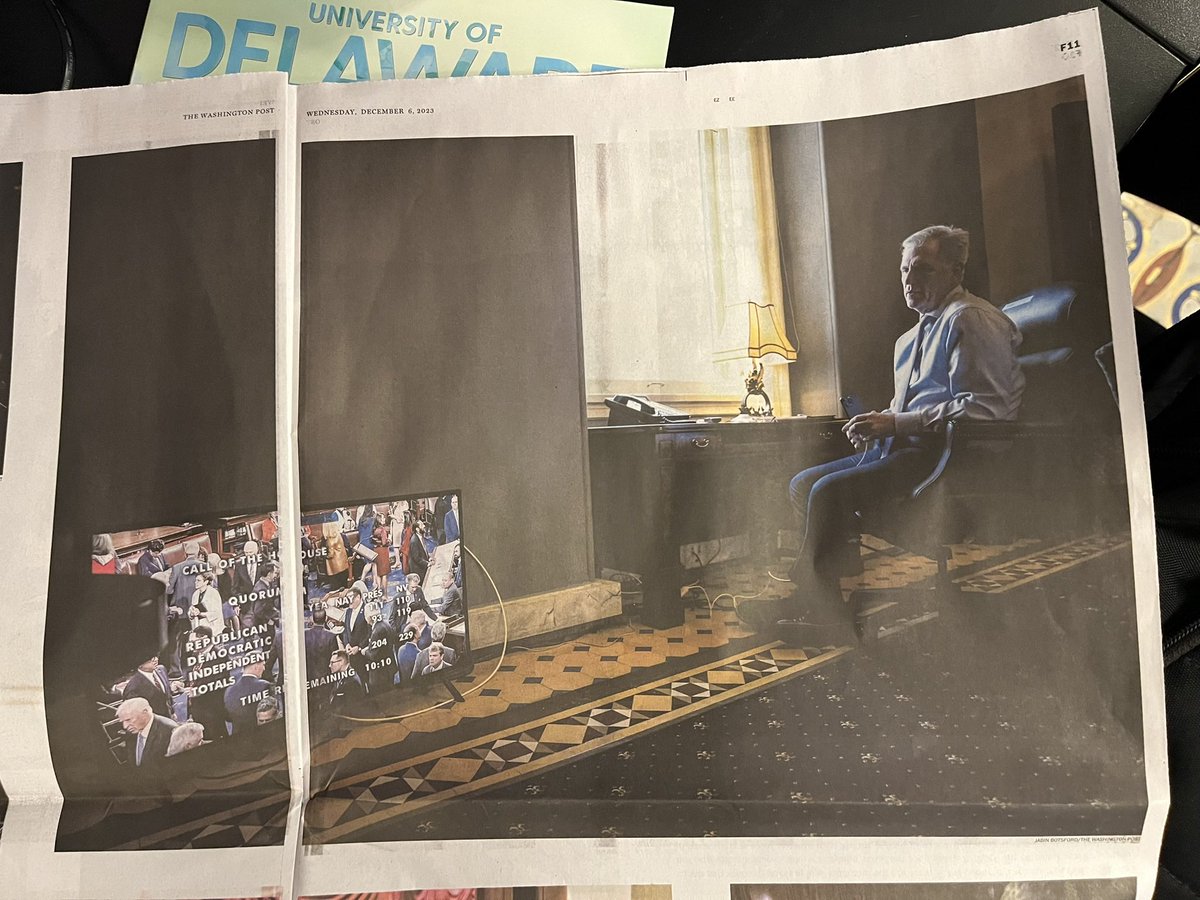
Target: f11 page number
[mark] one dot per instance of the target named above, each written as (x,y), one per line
(1070,49)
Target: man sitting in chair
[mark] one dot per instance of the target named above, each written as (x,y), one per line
(958,361)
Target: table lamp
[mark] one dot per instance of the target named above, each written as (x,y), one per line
(766,342)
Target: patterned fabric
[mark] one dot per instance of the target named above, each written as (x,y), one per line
(1163,250)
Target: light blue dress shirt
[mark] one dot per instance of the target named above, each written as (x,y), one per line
(967,366)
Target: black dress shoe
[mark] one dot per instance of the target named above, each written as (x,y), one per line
(816,617)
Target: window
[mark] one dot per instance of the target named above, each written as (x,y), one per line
(677,231)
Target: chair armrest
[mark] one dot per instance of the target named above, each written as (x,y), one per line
(990,430)
(943,460)
(961,436)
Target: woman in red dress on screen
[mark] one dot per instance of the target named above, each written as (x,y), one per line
(270,528)
(104,555)
(381,537)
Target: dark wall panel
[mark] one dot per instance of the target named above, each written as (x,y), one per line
(167,408)
(889,176)
(169,392)
(10,224)
(440,341)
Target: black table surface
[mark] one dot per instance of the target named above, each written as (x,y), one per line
(1148,43)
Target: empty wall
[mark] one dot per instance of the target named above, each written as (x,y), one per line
(440,342)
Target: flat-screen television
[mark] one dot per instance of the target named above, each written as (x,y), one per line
(205,665)
(385,599)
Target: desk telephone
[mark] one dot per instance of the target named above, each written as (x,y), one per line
(636,410)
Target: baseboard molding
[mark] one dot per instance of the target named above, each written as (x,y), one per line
(553,611)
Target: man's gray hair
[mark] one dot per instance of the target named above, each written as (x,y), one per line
(269,704)
(133,704)
(191,548)
(437,630)
(953,244)
(185,737)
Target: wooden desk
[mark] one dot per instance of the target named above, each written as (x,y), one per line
(656,487)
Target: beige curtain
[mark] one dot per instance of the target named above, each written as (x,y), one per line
(674,227)
(742,234)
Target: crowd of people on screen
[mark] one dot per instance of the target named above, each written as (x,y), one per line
(220,672)
(369,627)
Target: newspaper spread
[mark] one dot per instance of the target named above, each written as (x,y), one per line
(612,486)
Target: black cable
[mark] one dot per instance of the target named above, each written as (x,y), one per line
(68,44)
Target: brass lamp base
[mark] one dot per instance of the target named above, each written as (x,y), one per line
(762,410)
(755,388)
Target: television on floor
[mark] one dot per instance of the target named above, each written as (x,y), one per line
(385,599)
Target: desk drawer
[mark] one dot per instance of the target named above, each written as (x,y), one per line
(829,433)
(729,441)
(689,444)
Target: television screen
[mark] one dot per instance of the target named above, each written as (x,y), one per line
(385,603)
(210,595)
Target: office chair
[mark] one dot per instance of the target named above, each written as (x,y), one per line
(998,482)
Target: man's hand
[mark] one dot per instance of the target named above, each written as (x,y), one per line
(866,427)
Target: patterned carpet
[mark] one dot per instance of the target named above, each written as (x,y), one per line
(475,765)
(997,714)
(917,736)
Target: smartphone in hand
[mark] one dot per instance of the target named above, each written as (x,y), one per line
(853,406)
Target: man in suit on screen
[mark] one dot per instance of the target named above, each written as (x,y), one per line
(147,736)
(150,682)
(242,697)
(246,569)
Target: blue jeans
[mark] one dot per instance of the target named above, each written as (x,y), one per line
(826,498)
